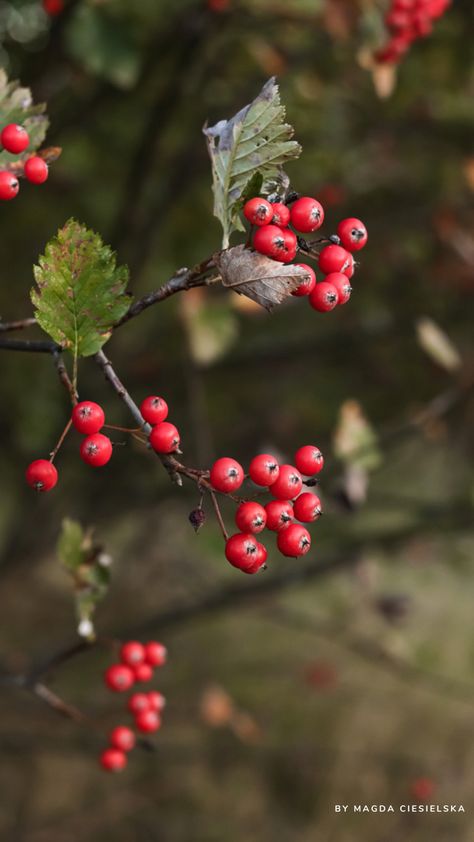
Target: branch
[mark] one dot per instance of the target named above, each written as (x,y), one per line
(21,324)
(37,346)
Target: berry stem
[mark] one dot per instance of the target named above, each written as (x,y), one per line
(219,517)
(64,376)
(130,430)
(63,435)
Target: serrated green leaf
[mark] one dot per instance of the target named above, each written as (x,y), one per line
(72,548)
(80,290)
(256,140)
(16,106)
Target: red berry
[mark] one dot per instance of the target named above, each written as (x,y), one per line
(156,700)
(270,241)
(154,409)
(138,702)
(14,138)
(260,559)
(132,653)
(307,215)
(309,460)
(323,297)
(143,672)
(113,760)
(88,417)
(281,214)
(341,284)
(164,438)
(307,507)
(294,541)
(279,514)
(422,789)
(122,738)
(352,233)
(96,450)
(53,7)
(36,170)
(258,211)
(288,484)
(119,678)
(264,469)
(9,186)
(241,550)
(333,259)
(41,475)
(226,475)
(147,721)
(155,653)
(307,286)
(291,246)
(349,270)
(251,517)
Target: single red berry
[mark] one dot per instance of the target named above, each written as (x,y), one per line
(132,653)
(333,259)
(14,138)
(241,550)
(260,559)
(154,409)
(138,702)
(143,672)
(279,514)
(307,215)
(96,450)
(36,170)
(251,517)
(422,789)
(113,760)
(119,678)
(165,438)
(122,738)
(41,475)
(147,721)
(323,297)
(258,211)
(294,541)
(288,484)
(156,700)
(155,653)
(53,7)
(9,186)
(264,469)
(341,284)
(291,246)
(309,460)
(281,214)
(270,241)
(352,233)
(349,270)
(88,417)
(307,507)
(226,475)
(309,284)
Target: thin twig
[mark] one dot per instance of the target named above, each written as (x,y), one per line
(63,435)
(219,517)
(64,376)
(20,324)
(37,346)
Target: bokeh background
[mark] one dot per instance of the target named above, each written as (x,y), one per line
(345,677)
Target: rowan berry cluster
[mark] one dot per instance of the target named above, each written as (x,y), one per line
(276,236)
(407,21)
(137,664)
(15,139)
(164,437)
(285,484)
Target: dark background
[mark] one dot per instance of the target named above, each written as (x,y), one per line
(341,678)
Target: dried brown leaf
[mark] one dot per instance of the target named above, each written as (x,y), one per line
(263,280)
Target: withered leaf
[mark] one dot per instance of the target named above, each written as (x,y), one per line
(252,274)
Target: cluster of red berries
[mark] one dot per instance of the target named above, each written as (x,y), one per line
(137,664)
(285,484)
(275,239)
(15,139)
(164,436)
(408,20)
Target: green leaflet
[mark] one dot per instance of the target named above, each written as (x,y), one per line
(256,142)
(16,106)
(80,291)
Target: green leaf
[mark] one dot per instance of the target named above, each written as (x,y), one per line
(80,291)
(16,106)
(72,548)
(255,141)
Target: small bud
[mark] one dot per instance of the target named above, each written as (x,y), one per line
(197,518)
